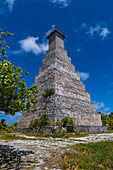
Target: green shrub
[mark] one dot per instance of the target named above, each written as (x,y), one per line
(68,123)
(66,136)
(84,131)
(54,131)
(44,120)
(48,92)
(70,129)
(35,126)
(64,121)
(58,123)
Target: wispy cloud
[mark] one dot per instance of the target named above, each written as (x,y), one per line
(18,52)
(106,109)
(62,3)
(101,106)
(48,32)
(87,32)
(104,33)
(83,26)
(83,76)
(30,45)
(94,30)
(10,4)
(99,30)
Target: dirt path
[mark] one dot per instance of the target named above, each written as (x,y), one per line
(47,151)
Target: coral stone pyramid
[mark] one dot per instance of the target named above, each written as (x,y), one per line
(70,98)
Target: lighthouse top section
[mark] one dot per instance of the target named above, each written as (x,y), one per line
(56,38)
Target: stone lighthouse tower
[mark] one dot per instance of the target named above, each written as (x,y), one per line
(70,98)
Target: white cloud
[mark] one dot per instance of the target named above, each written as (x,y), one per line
(10,4)
(64,3)
(83,26)
(29,45)
(104,33)
(101,106)
(83,76)
(106,109)
(98,30)
(16,52)
(94,30)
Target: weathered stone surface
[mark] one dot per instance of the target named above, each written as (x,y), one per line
(70,98)
(92,129)
(50,129)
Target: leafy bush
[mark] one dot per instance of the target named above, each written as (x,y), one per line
(48,92)
(68,123)
(58,123)
(44,120)
(64,121)
(38,123)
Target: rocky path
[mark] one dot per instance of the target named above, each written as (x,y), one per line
(45,153)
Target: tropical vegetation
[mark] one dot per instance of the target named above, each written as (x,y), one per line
(13,89)
(107,120)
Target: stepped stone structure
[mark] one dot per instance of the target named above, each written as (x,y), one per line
(70,98)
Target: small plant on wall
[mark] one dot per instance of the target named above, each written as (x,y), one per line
(48,92)
(68,123)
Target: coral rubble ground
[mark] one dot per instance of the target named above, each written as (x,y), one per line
(45,153)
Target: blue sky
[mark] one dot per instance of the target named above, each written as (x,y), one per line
(89,39)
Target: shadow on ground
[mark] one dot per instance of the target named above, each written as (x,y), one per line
(10,157)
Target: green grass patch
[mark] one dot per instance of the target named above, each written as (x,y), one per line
(92,156)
